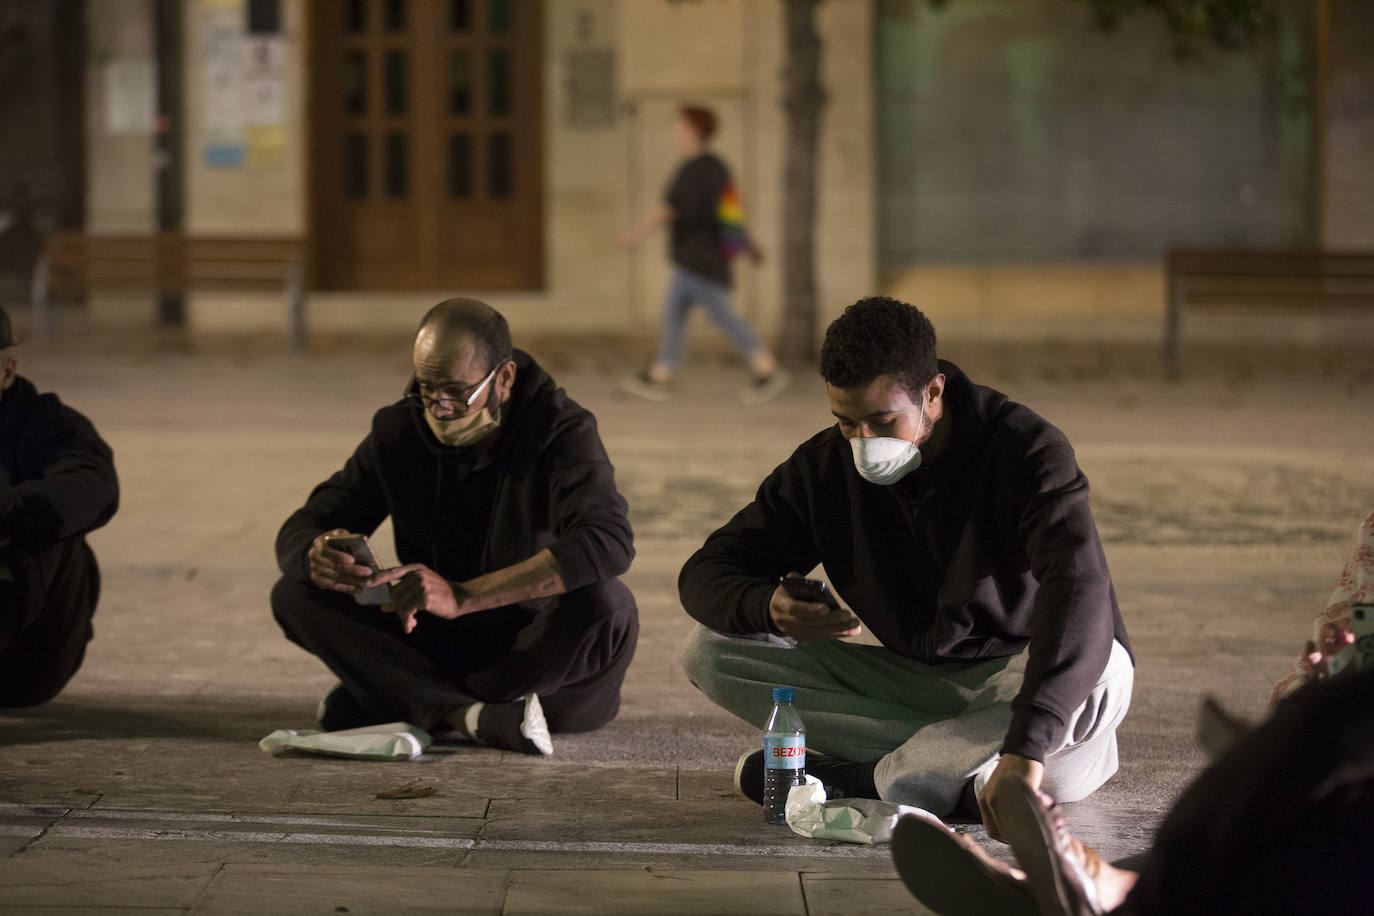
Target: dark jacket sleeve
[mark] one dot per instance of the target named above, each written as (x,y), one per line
(726,585)
(77,490)
(590,519)
(1072,622)
(352,499)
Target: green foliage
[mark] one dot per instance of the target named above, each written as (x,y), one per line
(1226,24)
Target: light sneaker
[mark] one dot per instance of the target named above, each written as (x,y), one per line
(515,726)
(640,385)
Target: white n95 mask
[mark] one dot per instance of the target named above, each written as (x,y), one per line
(884,460)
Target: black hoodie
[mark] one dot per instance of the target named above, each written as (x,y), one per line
(57,476)
(544,482)
(971,557)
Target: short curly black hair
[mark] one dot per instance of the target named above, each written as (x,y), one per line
(879,335)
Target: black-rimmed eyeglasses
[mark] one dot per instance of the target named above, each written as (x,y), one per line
(454,399)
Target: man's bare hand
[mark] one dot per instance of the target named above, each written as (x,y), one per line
(333,569)
(418,588)
(1009,768)
(810,621)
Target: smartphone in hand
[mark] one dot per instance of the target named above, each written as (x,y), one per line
(818,592)
(357,547)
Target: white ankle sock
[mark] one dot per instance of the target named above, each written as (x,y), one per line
(470,719)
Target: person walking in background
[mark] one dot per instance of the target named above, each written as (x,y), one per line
(57,484)
(706,230)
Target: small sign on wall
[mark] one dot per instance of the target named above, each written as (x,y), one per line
(130,97)
(244,88)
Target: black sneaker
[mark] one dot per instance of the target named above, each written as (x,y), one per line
(749,775)
(340,709)
(515,726)
(840,778)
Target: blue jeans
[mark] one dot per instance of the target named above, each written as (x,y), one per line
(688,289)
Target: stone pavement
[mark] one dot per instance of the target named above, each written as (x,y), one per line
(1226,501)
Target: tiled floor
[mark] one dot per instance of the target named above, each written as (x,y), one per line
(1226,504)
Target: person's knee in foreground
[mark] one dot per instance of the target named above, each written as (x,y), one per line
(1282,822)
(955,524)
(505,620)
(57,484)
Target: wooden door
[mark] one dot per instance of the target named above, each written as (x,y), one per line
(427,160)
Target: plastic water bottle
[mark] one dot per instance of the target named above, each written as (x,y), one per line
(784,755)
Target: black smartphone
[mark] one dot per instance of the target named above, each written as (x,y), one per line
(815,590)
(357,547)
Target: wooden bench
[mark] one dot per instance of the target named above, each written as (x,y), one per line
(169,264)
(1293,279)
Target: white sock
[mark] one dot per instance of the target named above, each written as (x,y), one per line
(470,719)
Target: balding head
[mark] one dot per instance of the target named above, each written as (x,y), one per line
(460,342)
(455,325)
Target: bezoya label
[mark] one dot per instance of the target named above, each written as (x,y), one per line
(784,752)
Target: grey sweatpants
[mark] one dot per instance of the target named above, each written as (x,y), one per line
(929,728)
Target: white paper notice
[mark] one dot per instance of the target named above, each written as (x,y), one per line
(130,97)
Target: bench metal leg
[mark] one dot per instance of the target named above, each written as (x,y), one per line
(295,309)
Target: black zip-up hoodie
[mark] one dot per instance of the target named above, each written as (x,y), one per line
(972,557)
(554,488)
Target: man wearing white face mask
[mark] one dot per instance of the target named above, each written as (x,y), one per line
(955,524)
(506,620)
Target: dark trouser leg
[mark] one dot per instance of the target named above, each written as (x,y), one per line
(415,677)
(573,655)
(45,621)
(1283,822)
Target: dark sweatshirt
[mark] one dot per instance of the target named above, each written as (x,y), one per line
(57,476)
(971,557)
(544,482)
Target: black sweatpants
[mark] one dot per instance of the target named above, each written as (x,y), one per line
(573,652)
(47,599)
(1282,823)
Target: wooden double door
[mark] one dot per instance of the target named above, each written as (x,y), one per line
(426,144)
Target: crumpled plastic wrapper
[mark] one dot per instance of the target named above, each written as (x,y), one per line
(391,741)
(852,820)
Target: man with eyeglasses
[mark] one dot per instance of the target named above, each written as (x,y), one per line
(955,524)
(506,620)
(57,484)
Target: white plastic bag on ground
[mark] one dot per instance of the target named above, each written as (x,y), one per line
(853,820)
(391,741)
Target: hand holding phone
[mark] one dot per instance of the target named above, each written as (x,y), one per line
(341,561)
(806,610)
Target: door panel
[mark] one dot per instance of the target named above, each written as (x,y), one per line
(427,145)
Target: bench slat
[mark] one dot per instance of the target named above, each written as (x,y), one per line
(1270,279)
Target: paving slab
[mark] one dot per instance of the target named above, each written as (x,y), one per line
(1227,501)
(653,891)
(842,894)
(35,883)
(289,890)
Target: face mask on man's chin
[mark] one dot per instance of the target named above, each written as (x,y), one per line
(470,429)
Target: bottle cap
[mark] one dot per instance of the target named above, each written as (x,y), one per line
(784,694)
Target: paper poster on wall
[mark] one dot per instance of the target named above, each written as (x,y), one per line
(264,101)
(222,32)
(130,97)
